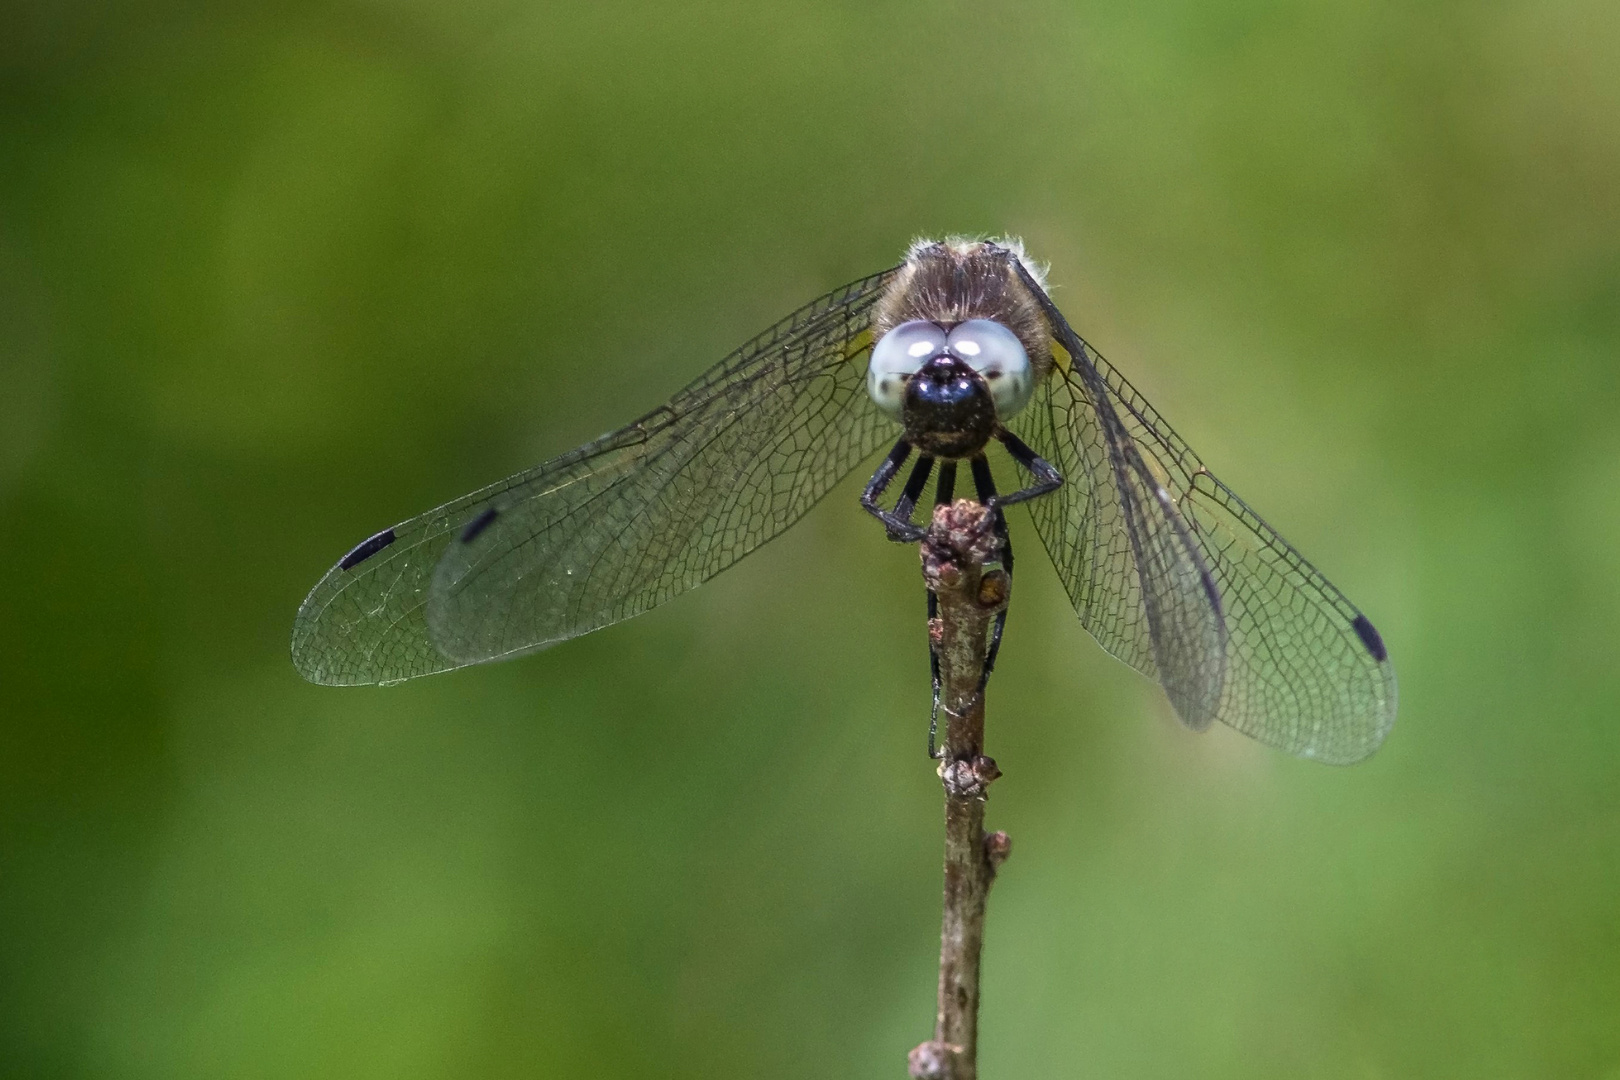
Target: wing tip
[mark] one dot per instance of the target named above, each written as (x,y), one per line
(309,659)
(311,665)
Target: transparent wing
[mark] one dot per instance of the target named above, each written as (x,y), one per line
(1130,561)
(1294,664)
(616,526)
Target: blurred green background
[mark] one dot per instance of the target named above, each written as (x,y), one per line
(274,276)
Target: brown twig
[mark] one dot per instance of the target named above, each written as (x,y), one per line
(953,554)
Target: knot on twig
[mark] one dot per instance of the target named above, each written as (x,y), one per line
(994,588)
(960,540)
(997,846)
(932,1060)
(968,779)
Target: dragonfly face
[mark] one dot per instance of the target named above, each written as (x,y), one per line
(950,383)
(1168,569)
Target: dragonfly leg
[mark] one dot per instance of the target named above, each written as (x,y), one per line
(933,669)
(946,489)
(898,521)
(913,490)
(943,494)
(1047,478)
(986,485)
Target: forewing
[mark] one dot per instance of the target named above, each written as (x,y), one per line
(616,526)
(1303,669)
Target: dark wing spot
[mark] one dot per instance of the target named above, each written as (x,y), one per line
(367,549)
(1369,637)
(479,524)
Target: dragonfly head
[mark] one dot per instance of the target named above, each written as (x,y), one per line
(949,383)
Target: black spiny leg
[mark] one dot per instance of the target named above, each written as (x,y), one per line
(907,502)
(899,529)
(986,485)
(1047,478)
(942,497)
(946,491)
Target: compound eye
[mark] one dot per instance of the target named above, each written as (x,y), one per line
(898,355)
(996,353)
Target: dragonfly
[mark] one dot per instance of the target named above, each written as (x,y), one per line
(957,349)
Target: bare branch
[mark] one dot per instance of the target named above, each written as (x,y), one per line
(954,553)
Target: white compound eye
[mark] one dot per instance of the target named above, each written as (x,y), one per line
(898,354)
(996,353)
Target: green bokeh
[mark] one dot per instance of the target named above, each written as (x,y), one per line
(274,276)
